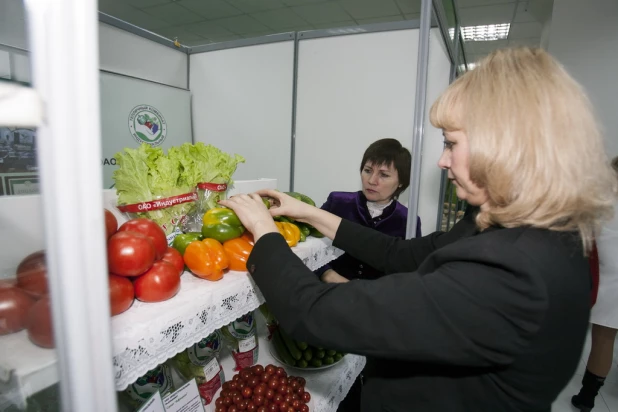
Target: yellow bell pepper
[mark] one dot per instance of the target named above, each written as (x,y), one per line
(290,232)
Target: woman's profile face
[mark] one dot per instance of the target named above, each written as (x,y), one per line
(454,160)
(379,182)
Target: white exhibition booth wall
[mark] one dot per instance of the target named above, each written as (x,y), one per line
(351,90)
(242,103)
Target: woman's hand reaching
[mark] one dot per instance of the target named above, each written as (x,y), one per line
(284,205)
(252,213)
(258,220)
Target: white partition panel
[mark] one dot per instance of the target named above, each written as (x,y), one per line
(437,81)
(352,91)
(129,54)
(242,103)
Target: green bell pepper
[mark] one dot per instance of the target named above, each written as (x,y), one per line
(221,224)
(182,241)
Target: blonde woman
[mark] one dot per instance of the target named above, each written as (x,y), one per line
(492,315)
(604,316)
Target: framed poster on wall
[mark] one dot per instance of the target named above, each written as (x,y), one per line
(18,165)
(17,150)
(21,184)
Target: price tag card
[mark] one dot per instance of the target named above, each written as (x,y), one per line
(211,369)
(153,404)
(185,399)
(246,345)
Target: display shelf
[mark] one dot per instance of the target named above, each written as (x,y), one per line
(149,333)
(25,369)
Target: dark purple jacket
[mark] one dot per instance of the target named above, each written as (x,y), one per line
(353,207)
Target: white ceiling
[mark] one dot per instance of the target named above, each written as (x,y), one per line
(527,19)
(195,22)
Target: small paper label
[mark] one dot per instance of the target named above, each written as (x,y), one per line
(209,389)
(211,369)
(245,345)
(153,404)
(185,399)
(246,359)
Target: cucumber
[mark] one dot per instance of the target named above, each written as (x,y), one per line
(308,354)
(316,363)
(303,228)
(337,357)
(316,233)
(320,354)
(302,363)
(303,237)
(329,360)
(289,343)
(331,352)
(302,345)
(281,349)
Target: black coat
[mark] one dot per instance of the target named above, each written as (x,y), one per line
(467,321)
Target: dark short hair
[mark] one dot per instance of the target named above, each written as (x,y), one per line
(387,152)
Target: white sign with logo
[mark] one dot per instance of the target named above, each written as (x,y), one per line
(147,125)
(138,111)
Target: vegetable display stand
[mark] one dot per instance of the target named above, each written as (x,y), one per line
(327,387)
(149,333)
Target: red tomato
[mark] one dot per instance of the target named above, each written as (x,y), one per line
(32,274)
(40,330)
(8,283)
(111,224)
(121,294)
(173,257)
(129,253)
(160,283)
(257,370)
(14,308)
(149,228)
(33,261)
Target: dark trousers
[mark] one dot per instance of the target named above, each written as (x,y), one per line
(352,401)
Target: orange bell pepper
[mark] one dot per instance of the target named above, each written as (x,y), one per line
(290,232)
(238,251)
(248,236)
(206,259)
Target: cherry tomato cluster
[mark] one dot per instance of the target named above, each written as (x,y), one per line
(140,262)
(259,389)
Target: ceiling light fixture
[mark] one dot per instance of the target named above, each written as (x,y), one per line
(462,67)
(486,32)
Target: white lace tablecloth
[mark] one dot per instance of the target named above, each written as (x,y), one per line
(327,387)
(149,333)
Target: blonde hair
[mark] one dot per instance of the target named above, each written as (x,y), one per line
(534,143)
